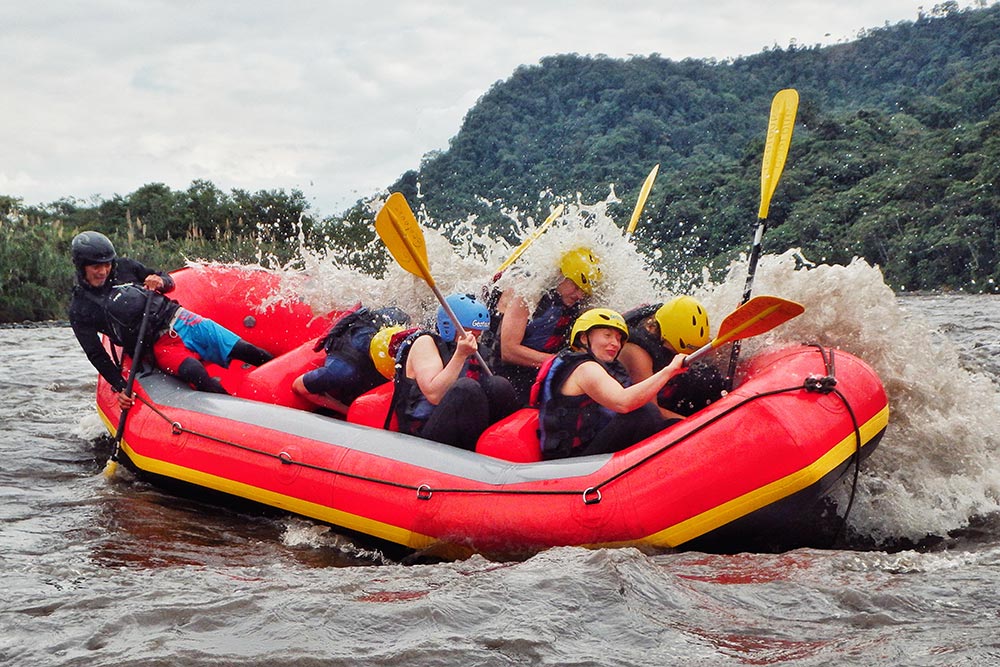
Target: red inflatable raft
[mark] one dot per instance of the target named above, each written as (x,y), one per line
(751,471)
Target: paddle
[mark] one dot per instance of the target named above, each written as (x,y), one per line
(519,250)
(779,137)
(758,315)
(112,465)
(641,201)
(399,230)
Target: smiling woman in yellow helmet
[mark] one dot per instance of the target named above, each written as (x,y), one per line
(588,404)
(525,339)
(662,331)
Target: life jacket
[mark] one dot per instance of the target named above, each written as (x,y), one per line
(550,324)
(569,422)
(547,329)
(123,307)
(489,340)
(349,339)
(687,392)
(409,403)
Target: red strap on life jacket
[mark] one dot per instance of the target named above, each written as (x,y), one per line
(535,396)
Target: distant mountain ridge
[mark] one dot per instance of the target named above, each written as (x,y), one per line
(895,154)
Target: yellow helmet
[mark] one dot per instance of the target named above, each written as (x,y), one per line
(378,349)
(582,267)
(683,324)
(598,317)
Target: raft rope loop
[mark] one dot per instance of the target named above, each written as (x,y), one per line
(591,495)
(826,385)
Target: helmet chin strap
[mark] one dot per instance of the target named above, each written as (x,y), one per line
(591,351)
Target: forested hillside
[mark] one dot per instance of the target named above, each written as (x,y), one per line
(895,155)
(895,158)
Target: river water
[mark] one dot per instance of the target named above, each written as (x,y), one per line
(119,573)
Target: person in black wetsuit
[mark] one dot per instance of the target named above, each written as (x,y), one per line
(525,339)
(441,392)
(661,331)
(109,298)
(588,404)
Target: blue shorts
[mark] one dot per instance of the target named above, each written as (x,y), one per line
(210,341)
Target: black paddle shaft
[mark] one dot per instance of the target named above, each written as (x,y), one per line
(130,382)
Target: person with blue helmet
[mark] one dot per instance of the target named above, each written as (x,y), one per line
(441,391)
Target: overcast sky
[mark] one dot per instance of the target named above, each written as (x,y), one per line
(334,98)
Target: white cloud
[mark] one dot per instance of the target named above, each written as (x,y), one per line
(334,98)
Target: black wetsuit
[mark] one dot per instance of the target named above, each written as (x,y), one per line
(88,316)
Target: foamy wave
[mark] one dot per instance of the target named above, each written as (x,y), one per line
(936,467)
(302,533)
(934,470)
(90,427)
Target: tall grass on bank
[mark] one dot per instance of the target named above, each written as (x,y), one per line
(37,274)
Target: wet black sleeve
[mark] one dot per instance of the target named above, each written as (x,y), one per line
(134,271)
(90,340)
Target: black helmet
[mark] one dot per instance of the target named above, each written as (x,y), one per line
(91,248)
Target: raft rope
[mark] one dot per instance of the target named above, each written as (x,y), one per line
(591,495)
(825,385)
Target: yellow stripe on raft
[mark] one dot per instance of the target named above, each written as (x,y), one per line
(670,537)
(719,516)
(302,507)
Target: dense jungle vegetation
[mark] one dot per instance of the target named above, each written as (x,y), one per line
(895,158)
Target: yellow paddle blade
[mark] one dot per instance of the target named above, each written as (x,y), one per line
(110,468)
(758,315)
(641,202)
(519,250)
(779,137)
(399,230)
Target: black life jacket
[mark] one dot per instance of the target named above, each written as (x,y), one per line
(411,406)
(489,340)
(687,392)
(547,330)
(350,339)
(569,422)
(123,307)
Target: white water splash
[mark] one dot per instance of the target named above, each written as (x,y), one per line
(303,533)
(934,471)
(936,468)
(468,262)
(90,426)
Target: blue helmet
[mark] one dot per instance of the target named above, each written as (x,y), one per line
(469,311)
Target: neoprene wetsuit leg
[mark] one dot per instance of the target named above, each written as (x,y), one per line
(194,373)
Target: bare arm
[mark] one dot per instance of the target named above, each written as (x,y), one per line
(640,366)
(637,362)
(432,375)
(591,379)
(512,328)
